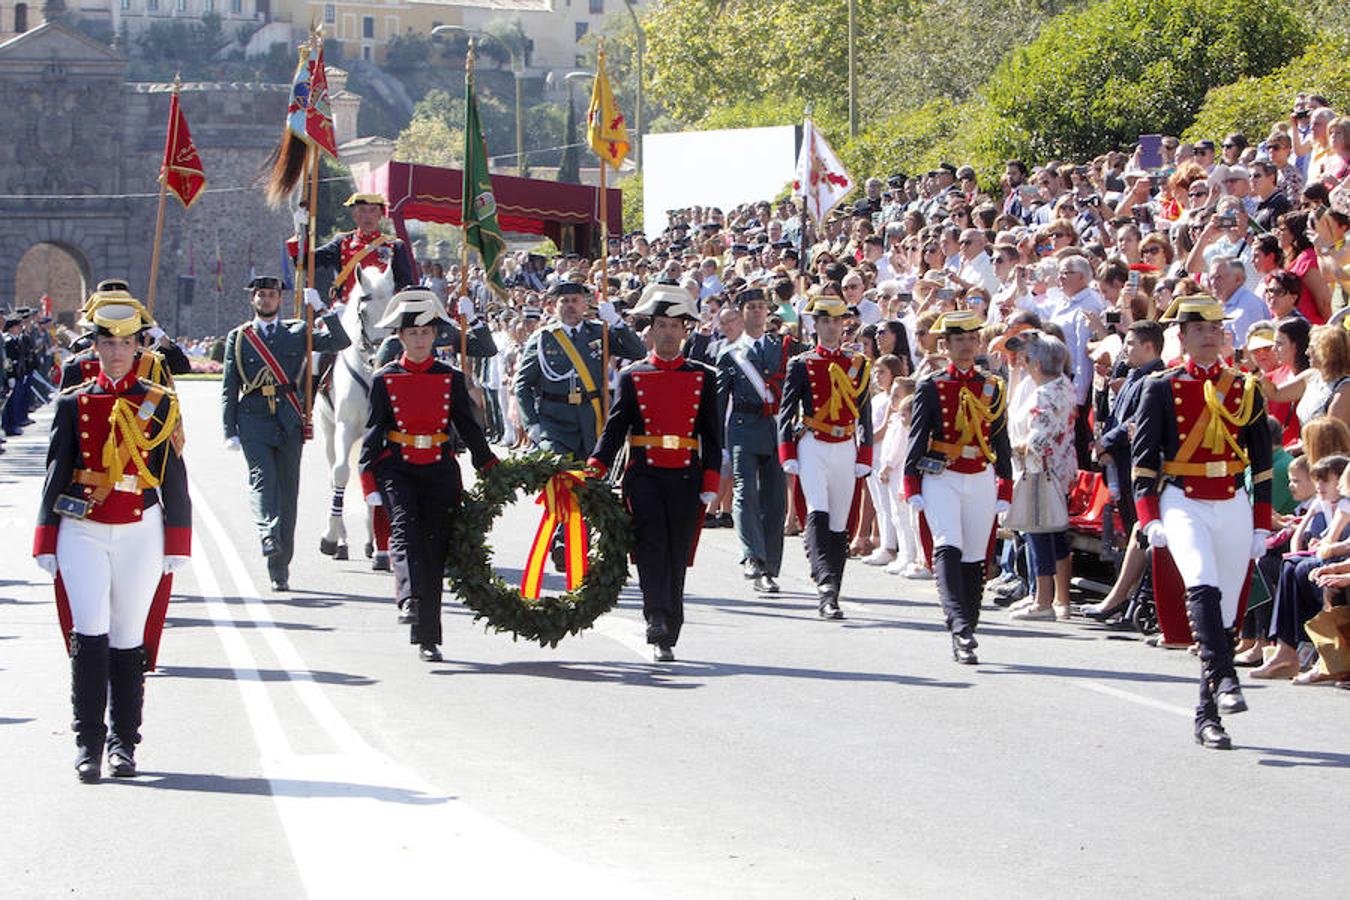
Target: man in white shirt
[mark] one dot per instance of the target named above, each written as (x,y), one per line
(977,269)
(1241,307)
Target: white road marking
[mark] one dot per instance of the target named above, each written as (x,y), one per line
(358,822)
(1135,698)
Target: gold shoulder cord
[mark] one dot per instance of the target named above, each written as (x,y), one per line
(125,422)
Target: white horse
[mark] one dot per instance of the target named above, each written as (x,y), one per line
(343,412)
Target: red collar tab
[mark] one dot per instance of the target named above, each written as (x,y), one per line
(120,386)
(366,237)
(960,375)
(1195,371)
(416,368)
(666,365)
(826,353)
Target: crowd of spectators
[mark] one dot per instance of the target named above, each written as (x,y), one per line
(1071,263)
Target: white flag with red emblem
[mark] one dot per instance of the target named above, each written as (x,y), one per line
(821,180)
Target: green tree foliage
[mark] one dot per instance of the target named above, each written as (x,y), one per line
(1254,105)
(569,170)
(707,54)
(947,49)
(430,142)
(1097,78)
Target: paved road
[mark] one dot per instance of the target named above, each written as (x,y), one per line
(295,747)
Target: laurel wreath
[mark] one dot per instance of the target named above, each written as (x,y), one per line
(550,618)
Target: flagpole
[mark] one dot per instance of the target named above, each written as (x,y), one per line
(604,255)
(159,213)
(308,368)
(464,227)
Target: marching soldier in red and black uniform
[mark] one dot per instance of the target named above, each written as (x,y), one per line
(408,463)
(158,358)
(958,473)
(667,414)
(1200,426)
(825,439)
(115,522)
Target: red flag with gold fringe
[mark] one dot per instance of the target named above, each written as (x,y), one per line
(182,169)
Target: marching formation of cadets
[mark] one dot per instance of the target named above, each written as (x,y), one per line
(783,415)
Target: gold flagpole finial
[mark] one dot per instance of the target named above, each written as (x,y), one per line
(177,81)
(469,57)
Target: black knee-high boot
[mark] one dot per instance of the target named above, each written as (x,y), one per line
(89,699)
(816,539)
(126,699)
(1219,690)
(972,580)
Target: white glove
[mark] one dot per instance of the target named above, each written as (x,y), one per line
(1000,507)
(708,498)
(174,563)
(158,333)
(861,470)
(300,218)
(792,467)
(1155,534)
(47,563)
(467,311)
(314,300)
(608,314)
(232,443)
(916,503)
(373,499)
(1259,537)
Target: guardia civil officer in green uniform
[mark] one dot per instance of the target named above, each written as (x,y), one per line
(264,363)
(560,380)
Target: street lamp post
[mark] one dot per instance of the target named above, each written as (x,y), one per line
(641,47)
(516,71)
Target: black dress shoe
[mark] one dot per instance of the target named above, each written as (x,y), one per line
(369,549)
(407,611)
(1232,702)
(963,650)
(1211,736)
(662,653)
(269,547)
(724,520)
(380,563)
(429,653)
(1102,615)
(965,640)
(89,771)
(280,584)
(121,764)
(829,609)
(752,569)
(766,585)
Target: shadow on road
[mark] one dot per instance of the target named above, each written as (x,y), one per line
(280,787)
(180,622)
(1287,759)
(1092,674)
(6,720)
(226,674)
(682,675)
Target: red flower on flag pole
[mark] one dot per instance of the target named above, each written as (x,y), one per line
(181,170)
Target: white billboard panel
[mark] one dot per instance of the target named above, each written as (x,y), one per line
(714,168)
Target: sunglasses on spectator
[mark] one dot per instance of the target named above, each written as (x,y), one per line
(965,242)
(1195,194)
(1149,251)
(1230,146)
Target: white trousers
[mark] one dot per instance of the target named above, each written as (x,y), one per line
(881,502)
(906,527)
(959,508)
(1210,542)
(827,478)
(110,573)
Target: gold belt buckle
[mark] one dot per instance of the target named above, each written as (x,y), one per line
(574,397)
(127,484)
(970,452)
(269,390)
(836,431)
(1216,469)
(670,442)
(422,441)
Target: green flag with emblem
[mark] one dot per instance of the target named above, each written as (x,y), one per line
(478,210)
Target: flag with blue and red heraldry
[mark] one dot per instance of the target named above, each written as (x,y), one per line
(309,116)
(820,180)
(181,170)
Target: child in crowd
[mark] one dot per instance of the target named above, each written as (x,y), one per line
(908,560)
(1298,599)
(1308,520)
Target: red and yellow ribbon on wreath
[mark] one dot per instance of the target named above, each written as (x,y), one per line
(560,504)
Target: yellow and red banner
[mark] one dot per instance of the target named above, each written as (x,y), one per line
(560,508)
(605,128)
(182,168)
